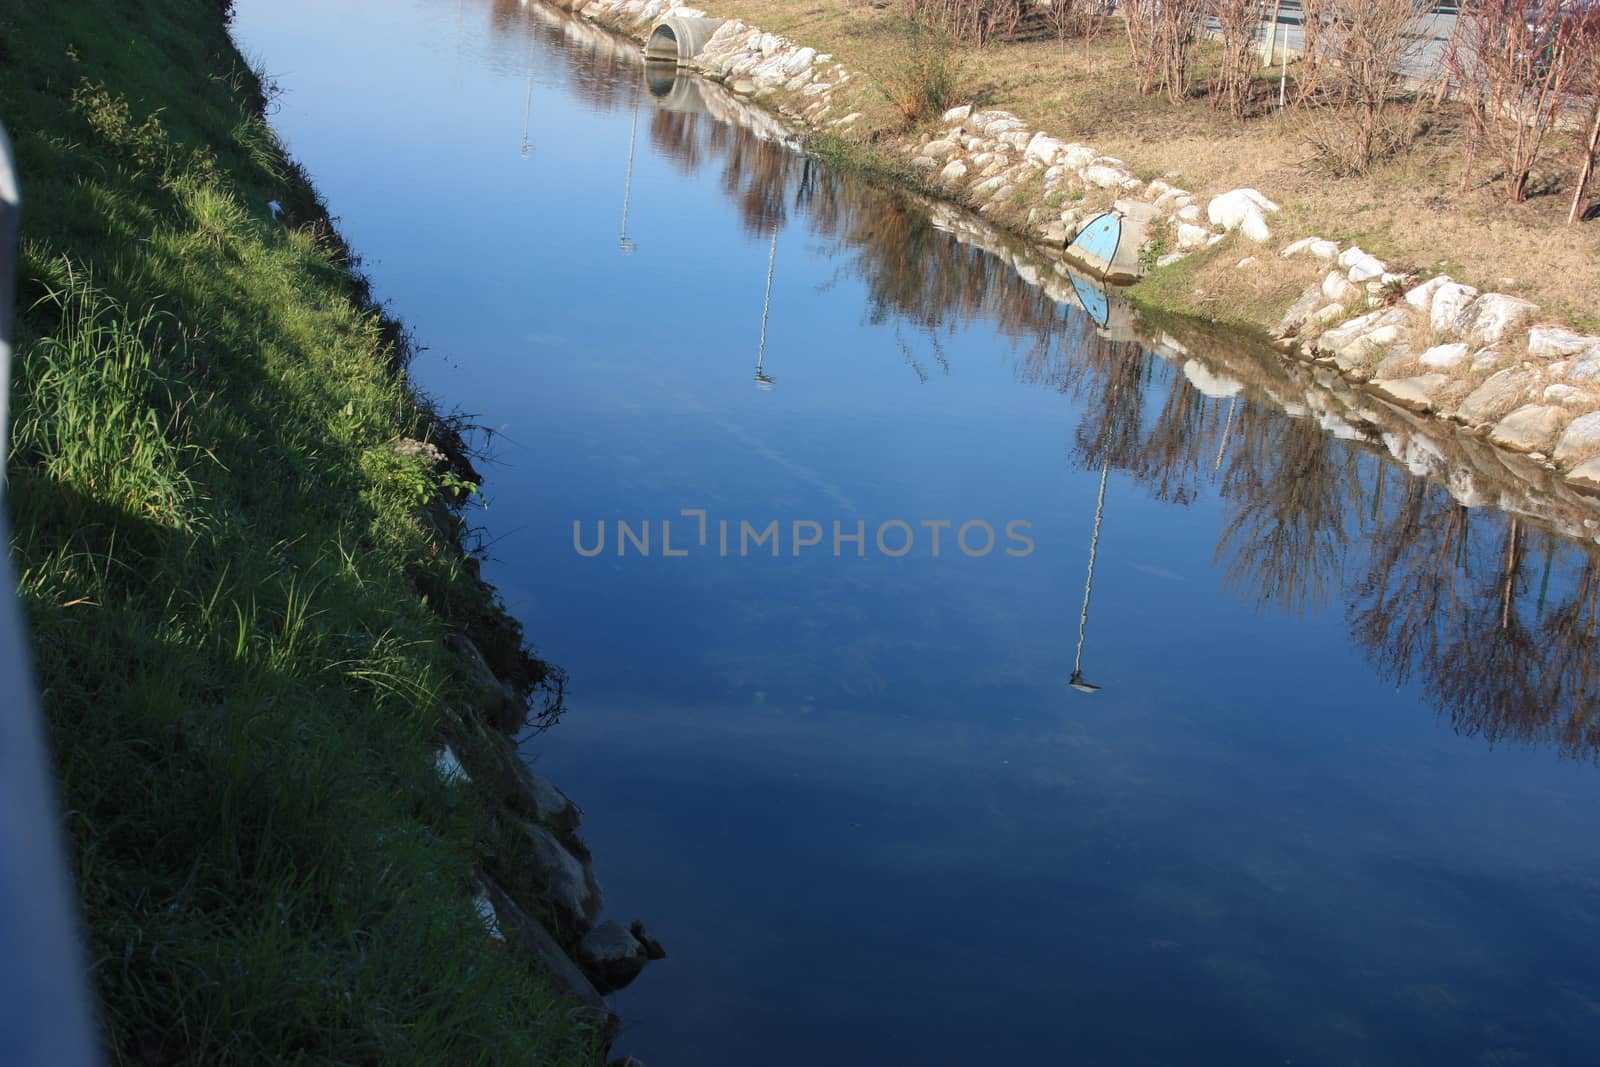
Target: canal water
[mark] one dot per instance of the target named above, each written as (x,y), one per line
(1308,776)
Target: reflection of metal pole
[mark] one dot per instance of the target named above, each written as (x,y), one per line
(766,305)
(1076,681)
(1227,428)
(527,102)
(627,181)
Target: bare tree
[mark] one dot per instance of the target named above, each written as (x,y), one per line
(1513,67)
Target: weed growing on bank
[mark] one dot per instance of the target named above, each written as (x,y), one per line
(237,605)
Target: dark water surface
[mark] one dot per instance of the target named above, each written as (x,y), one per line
(1335,801)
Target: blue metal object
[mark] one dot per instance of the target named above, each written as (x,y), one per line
(1100,237)
(45,1018)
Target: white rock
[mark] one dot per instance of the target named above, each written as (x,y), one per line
(1367,268)
(1043,148)
(1078,156)
(1585,368)
(1106,177)
(1586,475)
(957,115)
(1530,428)
(1349,256)
(1490,318)
(1580,441)
(1416,393)
(1421,296)
(1190,213)
(954,173)
(1449,300)
(1444,357)
(1244,210)
(1294,249)
(1192,236)
(1337,287)
(1553,342)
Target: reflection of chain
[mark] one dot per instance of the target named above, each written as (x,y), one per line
(766,301)
(1088,583)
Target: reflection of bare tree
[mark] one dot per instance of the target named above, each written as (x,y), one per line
(1406,602)
(1286,542)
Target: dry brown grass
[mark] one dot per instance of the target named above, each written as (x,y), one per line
(1409,210)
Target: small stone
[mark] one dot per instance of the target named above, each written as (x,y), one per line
(1563,394)
(957,115)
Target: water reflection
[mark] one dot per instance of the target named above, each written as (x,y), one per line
(1495,614)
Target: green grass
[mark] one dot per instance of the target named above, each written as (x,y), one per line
(238,606)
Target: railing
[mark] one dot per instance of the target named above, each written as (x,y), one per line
(45,1017)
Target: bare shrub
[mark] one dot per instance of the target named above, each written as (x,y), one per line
(1353,76)
(973,21)
(1238,22)
(1161,39)
(1081,19)
(1513,66)
(925,80)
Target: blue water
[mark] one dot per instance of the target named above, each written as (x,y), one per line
(1333,801)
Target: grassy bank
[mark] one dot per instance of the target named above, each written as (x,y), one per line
(239,595)
(1411,209)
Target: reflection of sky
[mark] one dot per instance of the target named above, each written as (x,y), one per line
(855,797)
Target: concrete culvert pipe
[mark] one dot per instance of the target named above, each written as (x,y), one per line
(677,39)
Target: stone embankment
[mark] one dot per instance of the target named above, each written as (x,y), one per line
(537,890)
(1483,360)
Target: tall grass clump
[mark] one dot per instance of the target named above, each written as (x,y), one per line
(925,81)
(95,415)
